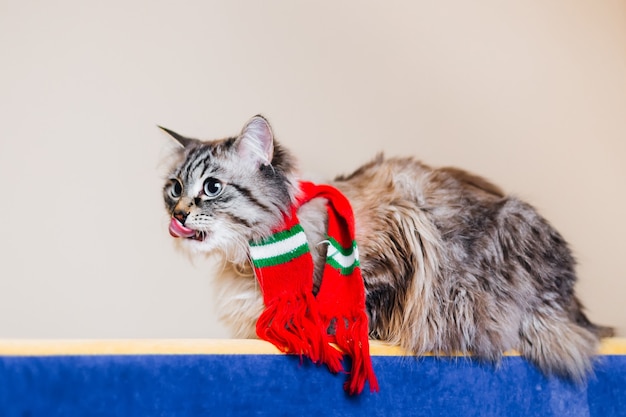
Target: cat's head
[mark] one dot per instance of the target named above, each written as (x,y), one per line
(221,194)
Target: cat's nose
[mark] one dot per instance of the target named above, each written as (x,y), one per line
(181,216)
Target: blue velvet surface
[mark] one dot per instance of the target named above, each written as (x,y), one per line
(276,385)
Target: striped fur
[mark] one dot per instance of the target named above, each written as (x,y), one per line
(450,262)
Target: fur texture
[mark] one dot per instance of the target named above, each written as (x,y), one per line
(450,262)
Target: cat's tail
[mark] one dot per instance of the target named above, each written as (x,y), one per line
(558,345)
(579,317)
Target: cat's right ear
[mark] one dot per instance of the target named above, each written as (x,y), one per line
(182,141)
(256,141)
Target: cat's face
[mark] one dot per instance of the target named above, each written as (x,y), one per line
(222,194)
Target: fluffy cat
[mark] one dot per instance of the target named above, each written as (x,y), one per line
(449,261)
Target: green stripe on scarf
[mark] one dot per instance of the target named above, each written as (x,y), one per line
(345,260)
(281,259)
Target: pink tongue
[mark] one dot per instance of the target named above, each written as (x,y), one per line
(178,230)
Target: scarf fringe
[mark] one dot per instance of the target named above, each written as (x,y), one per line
(293,324)
(352,339)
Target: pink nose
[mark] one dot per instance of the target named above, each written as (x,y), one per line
(178,230)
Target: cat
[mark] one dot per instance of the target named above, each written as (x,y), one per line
(450,262)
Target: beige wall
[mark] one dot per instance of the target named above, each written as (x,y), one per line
(531,94)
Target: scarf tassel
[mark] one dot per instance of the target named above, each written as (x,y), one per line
(293,325)
(352,339)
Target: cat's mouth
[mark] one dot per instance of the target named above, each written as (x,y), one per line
(177,229)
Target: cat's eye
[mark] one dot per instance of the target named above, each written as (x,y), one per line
(212,187)
(176,188)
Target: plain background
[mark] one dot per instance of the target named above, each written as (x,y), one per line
(531,94)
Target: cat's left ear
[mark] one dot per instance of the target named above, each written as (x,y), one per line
(256,141)
(183,141)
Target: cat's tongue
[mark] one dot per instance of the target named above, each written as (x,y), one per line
(178,230)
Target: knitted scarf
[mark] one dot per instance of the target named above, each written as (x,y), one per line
(295,320)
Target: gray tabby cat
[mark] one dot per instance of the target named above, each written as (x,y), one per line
(450,262)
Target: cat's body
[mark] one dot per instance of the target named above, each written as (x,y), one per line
(450,263)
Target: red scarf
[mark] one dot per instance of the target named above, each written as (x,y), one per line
(295,320)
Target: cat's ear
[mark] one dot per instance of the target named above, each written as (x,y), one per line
(182,141)
(256,141)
